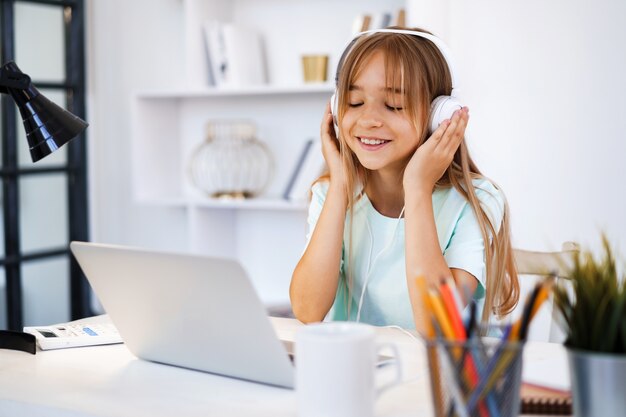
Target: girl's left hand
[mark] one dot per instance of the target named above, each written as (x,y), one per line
(434,156)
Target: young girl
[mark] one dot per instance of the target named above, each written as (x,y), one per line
(399,201)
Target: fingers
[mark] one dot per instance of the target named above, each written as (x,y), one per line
(455,131)
(330,144)
(326,128)
(439,132)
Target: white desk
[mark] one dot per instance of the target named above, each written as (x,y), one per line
(110,381)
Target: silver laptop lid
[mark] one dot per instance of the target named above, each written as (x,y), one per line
(190,311)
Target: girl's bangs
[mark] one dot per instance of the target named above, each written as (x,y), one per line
(403,77)
(395,71)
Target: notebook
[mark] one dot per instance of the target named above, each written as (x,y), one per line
(546,387)
(538,399)
(184,310)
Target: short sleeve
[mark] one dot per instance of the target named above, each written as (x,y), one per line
(466,249)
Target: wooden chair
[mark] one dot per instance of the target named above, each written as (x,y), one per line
(535,263)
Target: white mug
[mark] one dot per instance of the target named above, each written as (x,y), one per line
(335,369)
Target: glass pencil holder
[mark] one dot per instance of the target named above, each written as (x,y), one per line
(475,378)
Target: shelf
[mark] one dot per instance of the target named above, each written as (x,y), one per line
(265,203)
(250,204)
(169,125)
(257,90)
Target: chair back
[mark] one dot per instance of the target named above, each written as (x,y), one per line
(557,264)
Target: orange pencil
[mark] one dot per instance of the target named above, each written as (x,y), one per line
(453,313)
(440,314)
(542,291)
(542,296)
(433,360)
(426,307)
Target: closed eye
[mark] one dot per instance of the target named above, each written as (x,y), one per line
(355,104)
(393,108)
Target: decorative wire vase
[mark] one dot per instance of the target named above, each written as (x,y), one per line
(231,162)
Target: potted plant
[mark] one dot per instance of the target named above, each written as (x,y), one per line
(593,313)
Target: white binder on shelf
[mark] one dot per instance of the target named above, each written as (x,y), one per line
(235,55)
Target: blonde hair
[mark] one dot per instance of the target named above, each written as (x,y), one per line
(417,67)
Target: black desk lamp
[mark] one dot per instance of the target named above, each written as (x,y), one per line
(48,127)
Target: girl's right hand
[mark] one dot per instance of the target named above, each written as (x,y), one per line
(330,148)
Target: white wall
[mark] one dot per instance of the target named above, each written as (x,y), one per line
(132,45)
(545,86)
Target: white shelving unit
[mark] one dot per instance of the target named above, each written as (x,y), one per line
(267,234)
(168,126)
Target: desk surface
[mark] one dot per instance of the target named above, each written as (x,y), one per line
(110,381)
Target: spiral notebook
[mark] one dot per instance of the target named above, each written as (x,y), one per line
(537,399)
(545,382)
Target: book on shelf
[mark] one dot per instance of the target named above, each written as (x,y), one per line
(365,21)
(401,18)
(235,55)
(308,168)
(361,23)
(380,20)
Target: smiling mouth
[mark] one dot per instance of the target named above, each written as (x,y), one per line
(372,141)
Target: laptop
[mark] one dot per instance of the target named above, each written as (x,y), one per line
(190,311)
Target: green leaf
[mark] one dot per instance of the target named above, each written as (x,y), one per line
(613,325)
(594,312)
(597,329)
(623,347)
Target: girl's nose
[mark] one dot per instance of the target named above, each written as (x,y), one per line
(370,118)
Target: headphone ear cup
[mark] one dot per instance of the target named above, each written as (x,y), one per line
(333,106)
(333,111)
(442,108)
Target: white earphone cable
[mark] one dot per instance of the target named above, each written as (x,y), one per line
(405,331)
(369,265)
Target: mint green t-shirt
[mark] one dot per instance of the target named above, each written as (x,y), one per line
(378,255)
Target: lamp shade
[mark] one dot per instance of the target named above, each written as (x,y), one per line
(48,126)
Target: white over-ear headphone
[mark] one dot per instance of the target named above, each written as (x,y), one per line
(441,108)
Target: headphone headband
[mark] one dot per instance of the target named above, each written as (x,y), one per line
(443,48)
(441,107)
